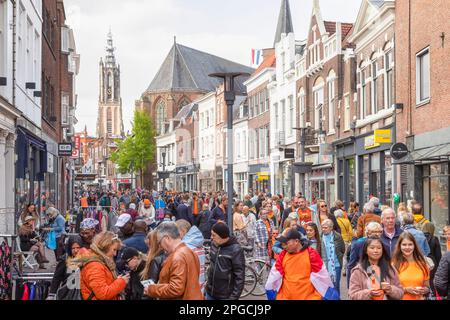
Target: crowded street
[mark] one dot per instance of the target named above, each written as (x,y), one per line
(249,151)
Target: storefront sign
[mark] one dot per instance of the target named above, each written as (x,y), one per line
(289,153)
(85,177)
(65,149)
(75,153)
(369,142)
(77,142)
(262,176)
(181,170)
(399,151)
(383,136)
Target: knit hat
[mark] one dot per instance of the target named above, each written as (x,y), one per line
(221,229)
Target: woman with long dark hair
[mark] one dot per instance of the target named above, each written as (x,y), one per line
(313,235)
(374,278)
(412,267)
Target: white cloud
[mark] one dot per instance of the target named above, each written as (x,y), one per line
(143,33)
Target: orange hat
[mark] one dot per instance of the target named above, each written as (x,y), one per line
(146,202)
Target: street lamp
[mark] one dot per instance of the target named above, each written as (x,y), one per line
(163,154)
(303,130)
(230,96)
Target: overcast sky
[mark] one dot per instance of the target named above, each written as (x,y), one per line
(143,32)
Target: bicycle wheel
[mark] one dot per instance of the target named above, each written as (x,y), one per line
(262,270)
(249,281)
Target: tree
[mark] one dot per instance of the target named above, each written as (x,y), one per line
(138,149)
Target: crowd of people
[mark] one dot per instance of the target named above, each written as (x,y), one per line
(141,244)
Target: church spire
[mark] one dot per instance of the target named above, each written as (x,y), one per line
(110,57)
(284,21)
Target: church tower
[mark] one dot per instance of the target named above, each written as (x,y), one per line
(109,121)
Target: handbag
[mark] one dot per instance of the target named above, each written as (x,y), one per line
(50,241)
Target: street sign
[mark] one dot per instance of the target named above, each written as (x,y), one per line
(399,151)
(65,149)
(383,136)
(289,153)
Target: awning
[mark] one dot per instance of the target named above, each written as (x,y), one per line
(25,139)
(427,155)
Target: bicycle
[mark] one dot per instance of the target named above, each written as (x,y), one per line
(261,268)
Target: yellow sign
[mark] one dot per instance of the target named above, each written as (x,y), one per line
(262,176)
(383,136)
(369,142)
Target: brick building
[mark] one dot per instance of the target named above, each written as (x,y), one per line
(182,78)
(259,123)
(422,88)
(320,82)
(364,167)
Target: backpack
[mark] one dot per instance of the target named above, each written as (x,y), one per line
(70,289)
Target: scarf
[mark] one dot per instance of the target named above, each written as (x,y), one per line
(331,255)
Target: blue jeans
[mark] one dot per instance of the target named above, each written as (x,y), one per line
(337,283)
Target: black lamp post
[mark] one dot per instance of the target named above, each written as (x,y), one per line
(163,155)
(230,96)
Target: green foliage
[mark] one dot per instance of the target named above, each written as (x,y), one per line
(137,150)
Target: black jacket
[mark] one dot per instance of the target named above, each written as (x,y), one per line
(156,266)
(205,224)
(59,276)
(184,212)
(226,273)
(435,249)
(134,289)
(441,278)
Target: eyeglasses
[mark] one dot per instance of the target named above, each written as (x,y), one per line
(116,237)
(160,240)
(323,206)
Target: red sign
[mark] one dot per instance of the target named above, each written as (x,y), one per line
(75,153)
(77,142)
(125,181)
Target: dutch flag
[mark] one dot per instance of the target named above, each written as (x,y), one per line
(257,57)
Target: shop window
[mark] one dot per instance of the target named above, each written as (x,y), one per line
(423,76)
(365,183)
(351,180)
(436,187)
(388,177)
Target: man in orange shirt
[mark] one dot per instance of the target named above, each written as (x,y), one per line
(299,273)
(303,212)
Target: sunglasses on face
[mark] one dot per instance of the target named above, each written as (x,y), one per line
(323,206)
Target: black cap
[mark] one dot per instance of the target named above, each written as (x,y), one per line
(290,235)
(222,230)
(129,253)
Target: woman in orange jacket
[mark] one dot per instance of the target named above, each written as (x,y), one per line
(99,280)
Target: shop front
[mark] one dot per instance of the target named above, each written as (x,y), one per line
(31,167)
(374,169)
(346,170)
(186,178)
(50,194)
(259,178)
(284,178)
(320,181)
(425,176)
(206,181)
(240,179)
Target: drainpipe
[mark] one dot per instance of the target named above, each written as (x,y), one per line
(14,44)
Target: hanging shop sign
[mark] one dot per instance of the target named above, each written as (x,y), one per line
(383,136)
(65,149)
(399,151)
(289,153)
